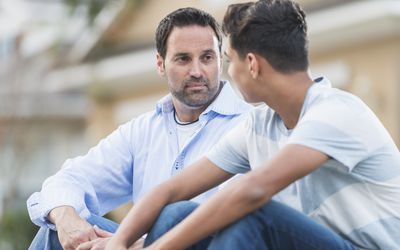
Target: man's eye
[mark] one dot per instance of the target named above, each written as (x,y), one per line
(182,59)
(208,58)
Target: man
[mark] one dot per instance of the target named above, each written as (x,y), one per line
(315,148)
(143,153)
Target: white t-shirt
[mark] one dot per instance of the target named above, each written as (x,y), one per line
(357,192)
(185,132)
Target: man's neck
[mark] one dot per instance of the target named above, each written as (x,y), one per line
(187,114)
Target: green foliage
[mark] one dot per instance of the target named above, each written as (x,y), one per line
(16,230)
(95,6)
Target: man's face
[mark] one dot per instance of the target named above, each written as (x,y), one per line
(192,65)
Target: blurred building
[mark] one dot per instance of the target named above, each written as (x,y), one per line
(58,96)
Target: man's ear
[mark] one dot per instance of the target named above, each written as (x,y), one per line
(253,65)
(160,65)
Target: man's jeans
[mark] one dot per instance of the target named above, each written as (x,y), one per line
(273,226)
(47,239)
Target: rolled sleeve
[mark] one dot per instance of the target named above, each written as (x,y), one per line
(103,176)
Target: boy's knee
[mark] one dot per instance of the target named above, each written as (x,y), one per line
(169,217)
(180,208)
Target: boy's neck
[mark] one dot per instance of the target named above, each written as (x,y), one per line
(288,95)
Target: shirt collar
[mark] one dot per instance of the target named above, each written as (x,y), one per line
(226,103)
(322,81)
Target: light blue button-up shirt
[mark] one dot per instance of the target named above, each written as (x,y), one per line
(137,156)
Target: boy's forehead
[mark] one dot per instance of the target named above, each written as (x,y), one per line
(228,50)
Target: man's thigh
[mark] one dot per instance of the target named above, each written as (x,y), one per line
(47,239)
(103,223)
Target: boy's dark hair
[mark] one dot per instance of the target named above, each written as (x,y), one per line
(180,18)
(274,29)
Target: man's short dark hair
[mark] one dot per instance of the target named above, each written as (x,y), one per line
(274,29)
(184,17)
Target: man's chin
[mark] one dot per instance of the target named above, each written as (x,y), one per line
(197,102)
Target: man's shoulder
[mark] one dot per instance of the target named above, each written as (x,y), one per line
(143,120)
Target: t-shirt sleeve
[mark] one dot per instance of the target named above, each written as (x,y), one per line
(341,130)
(230,154)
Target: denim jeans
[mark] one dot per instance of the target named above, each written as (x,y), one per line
(169,217)
(47,239)
(274,227)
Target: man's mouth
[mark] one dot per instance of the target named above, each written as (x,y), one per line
(196,85)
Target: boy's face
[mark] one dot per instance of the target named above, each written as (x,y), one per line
(238,70)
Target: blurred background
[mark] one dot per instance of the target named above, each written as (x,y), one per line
(71,71)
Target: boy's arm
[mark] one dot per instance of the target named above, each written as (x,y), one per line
(249,193)
(193,180)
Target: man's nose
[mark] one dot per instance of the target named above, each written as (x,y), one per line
(196,69)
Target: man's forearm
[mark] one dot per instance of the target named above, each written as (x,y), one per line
(59,214)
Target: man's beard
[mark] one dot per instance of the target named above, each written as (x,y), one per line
(196,98)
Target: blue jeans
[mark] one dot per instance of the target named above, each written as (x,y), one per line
(47,239)
(273,226)
(169,217)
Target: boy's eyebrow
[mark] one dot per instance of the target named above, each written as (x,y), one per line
(225,54)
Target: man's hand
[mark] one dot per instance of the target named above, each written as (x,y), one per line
(101,242)
(72,230)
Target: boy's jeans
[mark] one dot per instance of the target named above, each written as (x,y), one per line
(274,226)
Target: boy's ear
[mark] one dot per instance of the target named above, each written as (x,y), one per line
(253,65)
(160,65)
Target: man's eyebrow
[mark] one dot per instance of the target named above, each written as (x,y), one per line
(179,54)
(209,51)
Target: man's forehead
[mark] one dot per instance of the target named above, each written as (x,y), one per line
(192,39)
(191,27)
(192,32)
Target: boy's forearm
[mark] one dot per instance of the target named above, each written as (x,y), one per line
(142,216)
(249,193)
(227,206)
(194,180)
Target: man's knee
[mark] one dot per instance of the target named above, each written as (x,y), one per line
(46,239)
